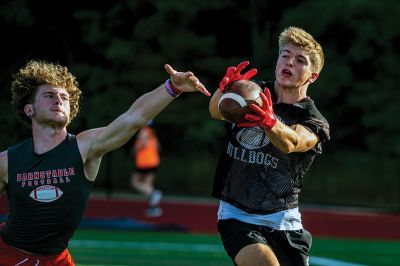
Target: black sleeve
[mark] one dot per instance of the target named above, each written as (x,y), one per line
(319,127)
(314,120)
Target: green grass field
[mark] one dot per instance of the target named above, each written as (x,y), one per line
(109,247)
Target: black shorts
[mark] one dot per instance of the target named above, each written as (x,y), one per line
(290,247)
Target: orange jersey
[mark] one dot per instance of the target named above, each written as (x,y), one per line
(146,149)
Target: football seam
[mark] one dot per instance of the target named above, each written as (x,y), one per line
(239,99)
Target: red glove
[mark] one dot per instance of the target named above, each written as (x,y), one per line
(233,74)
(264,116)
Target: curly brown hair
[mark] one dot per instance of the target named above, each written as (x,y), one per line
(37,73)
(306,41)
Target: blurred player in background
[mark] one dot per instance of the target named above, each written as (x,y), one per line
(48,177)
(147,159)
(260,174)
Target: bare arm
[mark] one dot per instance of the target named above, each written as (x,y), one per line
(102,140)
(94,143)
(296,138)
(3,172)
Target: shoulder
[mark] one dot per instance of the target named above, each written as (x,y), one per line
(3,157)
(4,166)
(22,145)
(313,119)
(85,141)
(312,109)
(14,153)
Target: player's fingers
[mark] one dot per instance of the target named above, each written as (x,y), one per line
(268,94)
(253,118)
(241,66)
(199,86)
(193,79)
(249,74)
(266,103)
(223,84)
(203,90)
(229,71)
(264,98)
(256,109)
(170,70)
(246,124)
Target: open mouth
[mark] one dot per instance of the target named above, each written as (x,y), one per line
(286,73)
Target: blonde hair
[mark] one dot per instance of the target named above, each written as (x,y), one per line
(37,73)
(301,38)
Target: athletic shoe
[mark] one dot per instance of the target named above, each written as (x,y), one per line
(153,212)
(155,198)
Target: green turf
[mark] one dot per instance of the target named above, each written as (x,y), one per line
(151,256)
(369,252)
(159,248)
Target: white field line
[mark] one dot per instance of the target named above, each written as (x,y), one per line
(320,261)
(167,246)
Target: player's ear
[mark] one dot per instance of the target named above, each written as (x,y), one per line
(28,110)
(313,77)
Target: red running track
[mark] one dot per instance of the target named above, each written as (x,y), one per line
(200,217)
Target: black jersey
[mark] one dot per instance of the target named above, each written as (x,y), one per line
(254,175)
(47,196)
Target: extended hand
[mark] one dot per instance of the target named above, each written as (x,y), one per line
(185,81)
(264,116)
(233,74)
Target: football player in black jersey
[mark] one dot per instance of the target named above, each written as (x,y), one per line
(48,177)
(260,173)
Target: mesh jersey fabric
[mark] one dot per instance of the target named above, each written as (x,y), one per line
(255,176)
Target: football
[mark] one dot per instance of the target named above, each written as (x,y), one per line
(234,103)
(46,193)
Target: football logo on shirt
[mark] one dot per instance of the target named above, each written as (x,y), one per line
(253,138)
(46,193)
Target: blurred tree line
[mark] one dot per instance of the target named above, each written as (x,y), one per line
(117,50)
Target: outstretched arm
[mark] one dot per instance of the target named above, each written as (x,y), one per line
(296,138)
(94,143)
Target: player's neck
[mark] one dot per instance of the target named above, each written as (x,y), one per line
(290,95)
(45,139)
